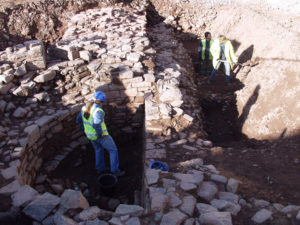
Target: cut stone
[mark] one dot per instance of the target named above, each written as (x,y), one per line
(189,178)
(174,217)
(10,188)
(133,221)
(207,191)
(261,216)
(205,208)
(187,186)
(132,210)
(174,200)
(232,185)
(228,196)
(216,218)
(188,205)
(226,206)
(41,207)
(45,76)
(218,178)
(152,176)
(89,213)
(158,202)
(23,196)
(73,200)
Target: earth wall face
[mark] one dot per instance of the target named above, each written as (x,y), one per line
(262,31)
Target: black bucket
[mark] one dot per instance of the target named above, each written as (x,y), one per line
(107,183)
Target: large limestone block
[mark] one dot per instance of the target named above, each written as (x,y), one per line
(207,191)
(10,188)
(205,208)
(41,207)
(174,217)
(45,76)
(152,176)
(216,218)
(132,210)
(73,200)
(188,205)
(261,216)
(23,196)
(89,213)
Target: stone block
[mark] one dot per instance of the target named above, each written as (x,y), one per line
(85,55)
(205,208)
(132,210)
(133,221)
(20,112)
(189,178)
(174,200)
(152,176)
(89,213)
(174,217)
(232,185)
(218,178)
(228,196)
(72,200)
(23,196)
(133,57)
(9,172)
(4,88)
(226,206)
(261,216)
(188,205)
(207,191)
(45,76)
(10,188)
(42,206)
(158,202)
(33,132)
(216,218)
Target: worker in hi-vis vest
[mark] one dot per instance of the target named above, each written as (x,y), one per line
(222,52)
(91,120)
(205,55)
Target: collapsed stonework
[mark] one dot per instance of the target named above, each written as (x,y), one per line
(138,67)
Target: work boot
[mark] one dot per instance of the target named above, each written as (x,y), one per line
(118,174)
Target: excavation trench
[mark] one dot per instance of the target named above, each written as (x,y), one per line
(259,165)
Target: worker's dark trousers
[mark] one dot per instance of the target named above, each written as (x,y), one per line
(206,67)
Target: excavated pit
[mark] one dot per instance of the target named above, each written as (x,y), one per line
(260,165)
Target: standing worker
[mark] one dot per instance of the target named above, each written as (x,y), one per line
(91,120)
(205,55)
(222,52)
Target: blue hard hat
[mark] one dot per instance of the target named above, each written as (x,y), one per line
(100,96)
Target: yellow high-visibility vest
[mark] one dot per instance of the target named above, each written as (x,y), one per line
(229,53)
(204,48)
(89,130)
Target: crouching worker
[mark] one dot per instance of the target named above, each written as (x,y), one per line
(222,52)
(91,120)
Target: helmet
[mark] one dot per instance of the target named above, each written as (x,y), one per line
(99,95)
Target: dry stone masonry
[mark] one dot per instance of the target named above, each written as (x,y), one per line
(148,79)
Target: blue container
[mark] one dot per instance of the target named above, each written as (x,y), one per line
(158,165)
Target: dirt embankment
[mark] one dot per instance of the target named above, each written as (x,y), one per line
(257,31)
(39,19)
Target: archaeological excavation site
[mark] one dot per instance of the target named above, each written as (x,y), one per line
(195,150)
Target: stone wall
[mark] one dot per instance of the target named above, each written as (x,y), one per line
(148,78)
(255,30)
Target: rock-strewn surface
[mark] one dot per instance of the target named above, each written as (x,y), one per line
(137,67)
